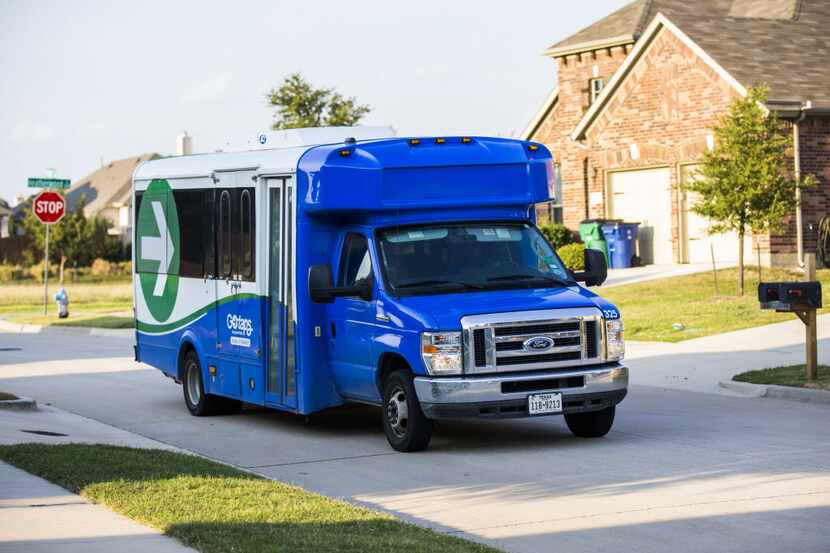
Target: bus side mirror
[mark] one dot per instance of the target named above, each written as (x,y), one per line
(320,284)
(322,290)
(596,269)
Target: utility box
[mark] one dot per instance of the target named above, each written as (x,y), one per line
(790,296)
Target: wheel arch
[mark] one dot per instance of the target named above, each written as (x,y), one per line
(388,362)
(187,343)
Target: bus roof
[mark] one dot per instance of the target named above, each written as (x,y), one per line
(388,174)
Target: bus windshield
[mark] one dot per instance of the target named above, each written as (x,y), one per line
(431,259)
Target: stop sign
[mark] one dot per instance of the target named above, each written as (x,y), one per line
(49,207)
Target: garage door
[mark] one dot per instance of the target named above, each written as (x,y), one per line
(699,243)
(645,197)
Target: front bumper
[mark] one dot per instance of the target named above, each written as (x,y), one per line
(586,389)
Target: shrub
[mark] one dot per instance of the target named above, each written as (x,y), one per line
(558,235)
(124,268)
(9,273)
(573,256)
(101,267)
(36,271)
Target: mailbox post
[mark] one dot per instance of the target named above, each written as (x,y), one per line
(803,299)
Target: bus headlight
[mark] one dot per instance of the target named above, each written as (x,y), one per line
(441,352)
(614,340)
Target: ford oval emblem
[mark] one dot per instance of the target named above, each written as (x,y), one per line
(538,343)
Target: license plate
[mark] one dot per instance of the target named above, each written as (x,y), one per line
(544,404)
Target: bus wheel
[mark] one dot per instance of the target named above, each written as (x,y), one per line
(595,424)
(198,402)
(405,425)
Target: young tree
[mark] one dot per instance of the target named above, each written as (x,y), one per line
(300,105)
(744,183)
(74,238)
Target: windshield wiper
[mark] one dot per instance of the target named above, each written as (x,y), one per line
(552,280)
(441,283)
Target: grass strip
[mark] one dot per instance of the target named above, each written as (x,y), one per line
(650,308)
(792,375)
(216,508)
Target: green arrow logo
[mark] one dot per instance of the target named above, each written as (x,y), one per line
(157,249)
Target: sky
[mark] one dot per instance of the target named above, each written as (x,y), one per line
(86,82)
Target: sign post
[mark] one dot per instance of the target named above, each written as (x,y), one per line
(811,365)
(49,207)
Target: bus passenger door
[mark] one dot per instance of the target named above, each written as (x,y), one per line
(226,289)
(280,372)
(239,307)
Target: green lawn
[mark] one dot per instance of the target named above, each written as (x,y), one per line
(215,508)
(787,376)
(103,305)
(650,308)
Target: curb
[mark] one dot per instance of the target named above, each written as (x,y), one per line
(19,404)
(7,326)
(777,392)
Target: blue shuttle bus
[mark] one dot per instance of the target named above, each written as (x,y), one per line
(405,273)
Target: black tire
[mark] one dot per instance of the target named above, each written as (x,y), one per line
(595,424)
(412,431)
(197,401)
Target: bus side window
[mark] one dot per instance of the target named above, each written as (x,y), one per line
(247,236)
(209,233)
(192,231)
(224,241)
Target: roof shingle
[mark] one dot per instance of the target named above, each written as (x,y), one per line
(781,43)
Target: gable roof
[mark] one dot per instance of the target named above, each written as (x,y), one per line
(781,43)
(108,185)
(657,24)
(541,115)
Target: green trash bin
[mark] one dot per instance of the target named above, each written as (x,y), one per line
(590,232)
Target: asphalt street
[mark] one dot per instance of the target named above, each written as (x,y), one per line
(681,471)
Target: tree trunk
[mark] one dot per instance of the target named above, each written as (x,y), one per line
(741,261)
(63,264)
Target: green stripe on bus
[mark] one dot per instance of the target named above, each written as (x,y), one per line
(149,328)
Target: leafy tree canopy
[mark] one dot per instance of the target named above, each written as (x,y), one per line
(299,104)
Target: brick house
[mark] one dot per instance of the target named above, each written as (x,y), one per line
(639,92)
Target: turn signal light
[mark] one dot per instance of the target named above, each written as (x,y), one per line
(345,153)
(532,147)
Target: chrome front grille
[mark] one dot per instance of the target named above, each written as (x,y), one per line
(505,341)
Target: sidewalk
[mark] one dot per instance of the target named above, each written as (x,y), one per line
(618,277)
(698,365)
(36,515)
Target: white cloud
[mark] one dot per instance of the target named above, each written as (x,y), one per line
(31,131)
(209,89)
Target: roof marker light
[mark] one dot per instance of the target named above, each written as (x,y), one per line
(532,147)
(414,141)
(466,140)
(440,140)
(345,153)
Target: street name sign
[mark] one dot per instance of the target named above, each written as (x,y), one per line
(49,207)
(43,182)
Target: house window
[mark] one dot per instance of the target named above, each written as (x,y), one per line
(595,86)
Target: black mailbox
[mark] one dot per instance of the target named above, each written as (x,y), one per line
(790,296)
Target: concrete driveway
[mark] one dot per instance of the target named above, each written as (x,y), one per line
(681,471)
